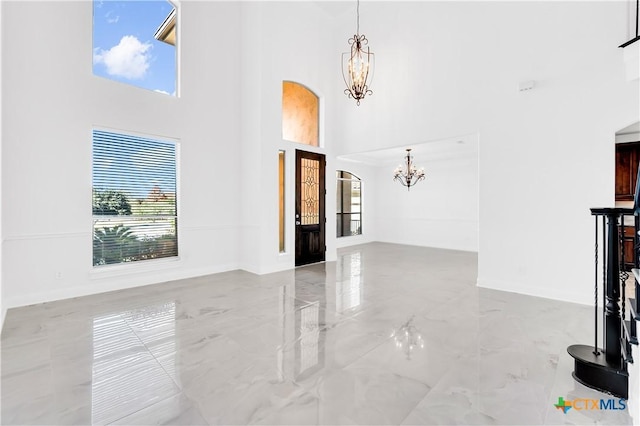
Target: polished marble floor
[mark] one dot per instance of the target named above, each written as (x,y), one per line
(388,334)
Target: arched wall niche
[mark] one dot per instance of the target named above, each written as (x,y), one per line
(300,114)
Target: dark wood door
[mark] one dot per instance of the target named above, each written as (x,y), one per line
(627,158)
(310,214)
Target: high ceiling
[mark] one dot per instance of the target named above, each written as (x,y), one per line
(336,8)
(633,128)
(443,149)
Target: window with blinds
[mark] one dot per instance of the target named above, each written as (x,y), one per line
(134,198)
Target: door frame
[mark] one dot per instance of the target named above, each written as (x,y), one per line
(299,258)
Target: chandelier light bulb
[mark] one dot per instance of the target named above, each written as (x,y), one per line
(358,67)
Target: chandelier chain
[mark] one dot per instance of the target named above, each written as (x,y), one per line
(358,17)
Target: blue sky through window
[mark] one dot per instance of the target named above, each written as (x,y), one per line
(124,48)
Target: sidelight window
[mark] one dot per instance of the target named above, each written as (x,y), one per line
(281,224)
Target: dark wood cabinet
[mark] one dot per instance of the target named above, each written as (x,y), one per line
(628,241)
(627,158)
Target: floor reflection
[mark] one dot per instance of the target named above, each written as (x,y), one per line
(300,353)
(348,285)
(313,345)
(407,338)
(124,373)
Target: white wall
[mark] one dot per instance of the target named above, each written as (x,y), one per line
(3,309)
(546,155)
(441,211)
(282,41)
(51,102)
(234,57)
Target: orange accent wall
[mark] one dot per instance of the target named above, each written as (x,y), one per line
(300,109)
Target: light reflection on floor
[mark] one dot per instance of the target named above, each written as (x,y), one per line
(387,334)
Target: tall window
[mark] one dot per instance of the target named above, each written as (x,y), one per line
(281,201)
(134,198)
(349,212)
(134,43)
(300,114)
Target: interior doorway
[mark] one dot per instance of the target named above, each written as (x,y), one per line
(310,219)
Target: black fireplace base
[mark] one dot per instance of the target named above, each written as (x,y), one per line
(595,372)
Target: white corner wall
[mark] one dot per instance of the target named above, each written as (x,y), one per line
(546,155)
(3,309)
(441,211)
(51,101)
(282,41)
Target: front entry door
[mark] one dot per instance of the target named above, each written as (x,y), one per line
(310,215)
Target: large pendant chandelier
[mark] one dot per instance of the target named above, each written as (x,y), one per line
(408,174)
(357,65)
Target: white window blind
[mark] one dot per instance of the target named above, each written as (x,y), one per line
(134,198)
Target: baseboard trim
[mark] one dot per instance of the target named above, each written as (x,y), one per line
(4,314)
(93,287)
(545,293)
(468,250)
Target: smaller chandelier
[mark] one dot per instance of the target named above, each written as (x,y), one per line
(357,70)
(408,174)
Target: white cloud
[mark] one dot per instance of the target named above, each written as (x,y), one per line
(129,59)
(112,19)
(161,91)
